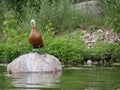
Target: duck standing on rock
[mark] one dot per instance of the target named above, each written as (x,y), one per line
(35,39)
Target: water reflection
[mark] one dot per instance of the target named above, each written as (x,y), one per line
(91,78)
(83,78)
(35,80)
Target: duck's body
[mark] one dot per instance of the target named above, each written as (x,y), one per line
(35,39)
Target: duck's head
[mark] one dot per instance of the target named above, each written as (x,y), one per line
(33,23)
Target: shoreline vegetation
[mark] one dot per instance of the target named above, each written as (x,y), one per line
(71,37)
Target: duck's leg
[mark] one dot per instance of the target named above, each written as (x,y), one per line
(33,49)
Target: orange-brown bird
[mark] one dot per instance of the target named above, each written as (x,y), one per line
(35,39)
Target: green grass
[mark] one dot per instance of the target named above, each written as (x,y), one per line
(57,23)
(68,48)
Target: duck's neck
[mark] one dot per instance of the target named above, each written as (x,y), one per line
(34,28)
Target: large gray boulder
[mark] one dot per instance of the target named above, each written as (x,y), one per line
(93,9)
(34,62)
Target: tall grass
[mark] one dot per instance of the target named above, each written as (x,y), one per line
(3,9)
(112,14)
(58,13)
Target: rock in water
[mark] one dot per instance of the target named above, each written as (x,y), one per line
(34,62)
(89,62)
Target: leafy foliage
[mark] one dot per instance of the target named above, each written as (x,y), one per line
(69,48)
(112,12)
(53,16)
(66,48)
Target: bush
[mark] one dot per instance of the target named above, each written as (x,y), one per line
(116,53)
(8,53)
(54,16)
(103,51)
(14,41)
(68,48)
(13,45)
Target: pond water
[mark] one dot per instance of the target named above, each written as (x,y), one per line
(83,78)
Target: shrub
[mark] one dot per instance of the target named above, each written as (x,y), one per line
(14,41)
(101,51)
(116,53)
(8,53)
(68,48)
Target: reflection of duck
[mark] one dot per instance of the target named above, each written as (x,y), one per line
(35,39)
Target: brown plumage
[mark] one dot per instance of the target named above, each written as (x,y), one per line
(35,39)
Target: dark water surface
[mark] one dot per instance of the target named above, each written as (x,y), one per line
(83,78)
